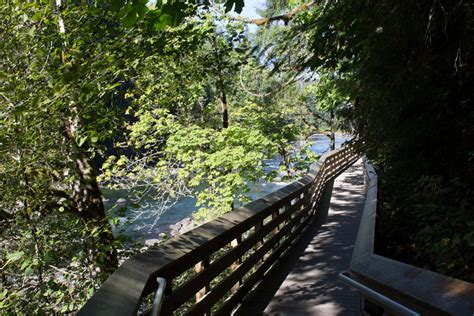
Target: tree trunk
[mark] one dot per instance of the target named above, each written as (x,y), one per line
(85,190)
(332,136)
(221,86)
(86,194)
(87,198)
(286,161)
(225,113)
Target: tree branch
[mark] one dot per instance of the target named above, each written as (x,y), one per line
(317,115)
(274,91)
(282,17)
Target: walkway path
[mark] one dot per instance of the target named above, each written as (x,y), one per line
(306,282)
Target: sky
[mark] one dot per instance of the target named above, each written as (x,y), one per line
(250,11)
(250,8)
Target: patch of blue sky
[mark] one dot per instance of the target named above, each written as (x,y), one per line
(249,11)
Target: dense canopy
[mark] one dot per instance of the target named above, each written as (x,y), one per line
(169,99)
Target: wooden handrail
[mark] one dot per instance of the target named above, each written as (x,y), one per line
(423,291)
(212,267)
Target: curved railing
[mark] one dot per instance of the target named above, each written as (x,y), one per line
(214,266)
(391,287)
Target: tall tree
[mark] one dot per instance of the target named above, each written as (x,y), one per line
(328,104)
(60,69)
(407,68)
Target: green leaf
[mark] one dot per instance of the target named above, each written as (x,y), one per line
(163,21)
(25,264)
(15,255)
(117,4)
(130,19)
(82,140)
(239,4)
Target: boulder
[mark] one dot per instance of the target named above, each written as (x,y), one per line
(121,201)
(151,242)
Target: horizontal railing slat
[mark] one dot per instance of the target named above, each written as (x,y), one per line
(186,291)
(235,276)
(258,274)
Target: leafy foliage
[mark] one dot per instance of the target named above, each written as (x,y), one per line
(48,265)
(182,143)
(59,103)
(407,69)
(157,94)
(221,163)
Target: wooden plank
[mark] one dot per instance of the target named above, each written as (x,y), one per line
(212,236)
(258,244)
(275,214)
(232,302)
(418,288)
(219,291)
(309,274)
(364,244)
(200,267)
(182,294)
(236,263)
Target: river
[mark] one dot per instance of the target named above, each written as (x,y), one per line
(143,223)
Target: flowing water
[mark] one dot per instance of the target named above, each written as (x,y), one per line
(144,223)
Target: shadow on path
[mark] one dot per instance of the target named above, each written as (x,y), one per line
(305,281)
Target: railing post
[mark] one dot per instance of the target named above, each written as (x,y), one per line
(199,267)
(259,243)
(166,309)
(160,292)
(276,229)
(306,197)
(234,243)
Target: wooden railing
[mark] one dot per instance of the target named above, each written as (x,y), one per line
(391,287)
(211,268)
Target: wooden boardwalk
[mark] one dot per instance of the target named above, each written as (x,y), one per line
(305,282)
